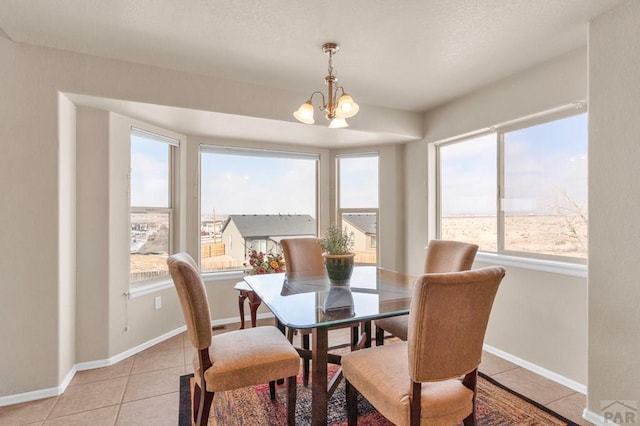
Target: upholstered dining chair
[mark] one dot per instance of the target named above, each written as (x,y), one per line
(431,378)
(231,360)
(442,256)
(303,260)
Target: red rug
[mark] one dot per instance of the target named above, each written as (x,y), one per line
(496,406)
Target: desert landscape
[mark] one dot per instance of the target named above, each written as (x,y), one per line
(555,235)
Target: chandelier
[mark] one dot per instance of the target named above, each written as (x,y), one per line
(337,109)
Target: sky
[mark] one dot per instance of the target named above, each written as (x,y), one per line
(236,184)
(241,184)
(544,166)
(149,172)
(543,163)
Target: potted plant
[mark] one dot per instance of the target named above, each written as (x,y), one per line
(337,246)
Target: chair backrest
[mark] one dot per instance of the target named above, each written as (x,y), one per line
(193,298)
(449,256)
(303,257)
(447,322)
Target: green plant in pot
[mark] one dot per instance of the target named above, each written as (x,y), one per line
(337,245)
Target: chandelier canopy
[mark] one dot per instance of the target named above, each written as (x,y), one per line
(337,109)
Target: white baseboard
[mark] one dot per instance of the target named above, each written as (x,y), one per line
(596,419)
(565,381)
(90,365)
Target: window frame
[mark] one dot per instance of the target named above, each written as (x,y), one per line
(545,262)
(173,147)
(340,211)
(209,148)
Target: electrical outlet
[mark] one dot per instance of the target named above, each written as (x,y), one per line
(158,302)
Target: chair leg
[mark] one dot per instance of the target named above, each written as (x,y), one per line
(272,390)
(305,361)
(355,336)
(470,420)
(471,381)
(352,403)
(416,404)
(291,400)
(379,336)
(201,406)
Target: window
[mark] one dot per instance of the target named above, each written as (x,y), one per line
(520,190)
(468,192)
(251,199)
(358,202)
(151,201)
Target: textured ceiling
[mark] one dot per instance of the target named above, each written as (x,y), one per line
(408,55)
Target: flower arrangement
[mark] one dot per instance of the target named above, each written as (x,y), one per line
(260,263)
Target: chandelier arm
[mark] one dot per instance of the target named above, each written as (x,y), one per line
(323,99)
(335,96)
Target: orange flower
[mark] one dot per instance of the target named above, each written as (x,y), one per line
(274,264)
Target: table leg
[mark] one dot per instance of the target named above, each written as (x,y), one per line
(241,299)
(319,395)
(254,304)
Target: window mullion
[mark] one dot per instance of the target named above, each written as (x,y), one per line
(500,190)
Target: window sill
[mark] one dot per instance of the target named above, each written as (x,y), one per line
(222,276)
(145,289)
(543,265)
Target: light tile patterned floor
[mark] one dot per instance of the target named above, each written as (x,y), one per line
(143,389)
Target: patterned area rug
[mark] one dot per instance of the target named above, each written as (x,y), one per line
(497,406)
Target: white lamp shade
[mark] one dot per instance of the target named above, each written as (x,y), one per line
(347,107)
(305,113)
(338,123)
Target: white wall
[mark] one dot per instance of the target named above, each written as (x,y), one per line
(614,204)
(92,225)
(29,217)
(538,317)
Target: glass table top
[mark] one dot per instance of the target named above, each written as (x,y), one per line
(311,302)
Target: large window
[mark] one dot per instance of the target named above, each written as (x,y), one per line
(151,198)
(251,199)
(358,202)
(521,189)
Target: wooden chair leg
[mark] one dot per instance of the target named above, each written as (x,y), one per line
(355,336)
(201,406)
(416,406)
(305,362)
(272,390)
(470,420)
(366,330)
(379,336)
(291,400)
(195,402)
(352,403)
(471,381)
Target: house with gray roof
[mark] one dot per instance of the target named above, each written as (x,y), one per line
(241,233)
(363,226)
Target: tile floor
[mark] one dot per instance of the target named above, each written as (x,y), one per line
(143,390)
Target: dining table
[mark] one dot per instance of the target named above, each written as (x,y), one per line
(315,304)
